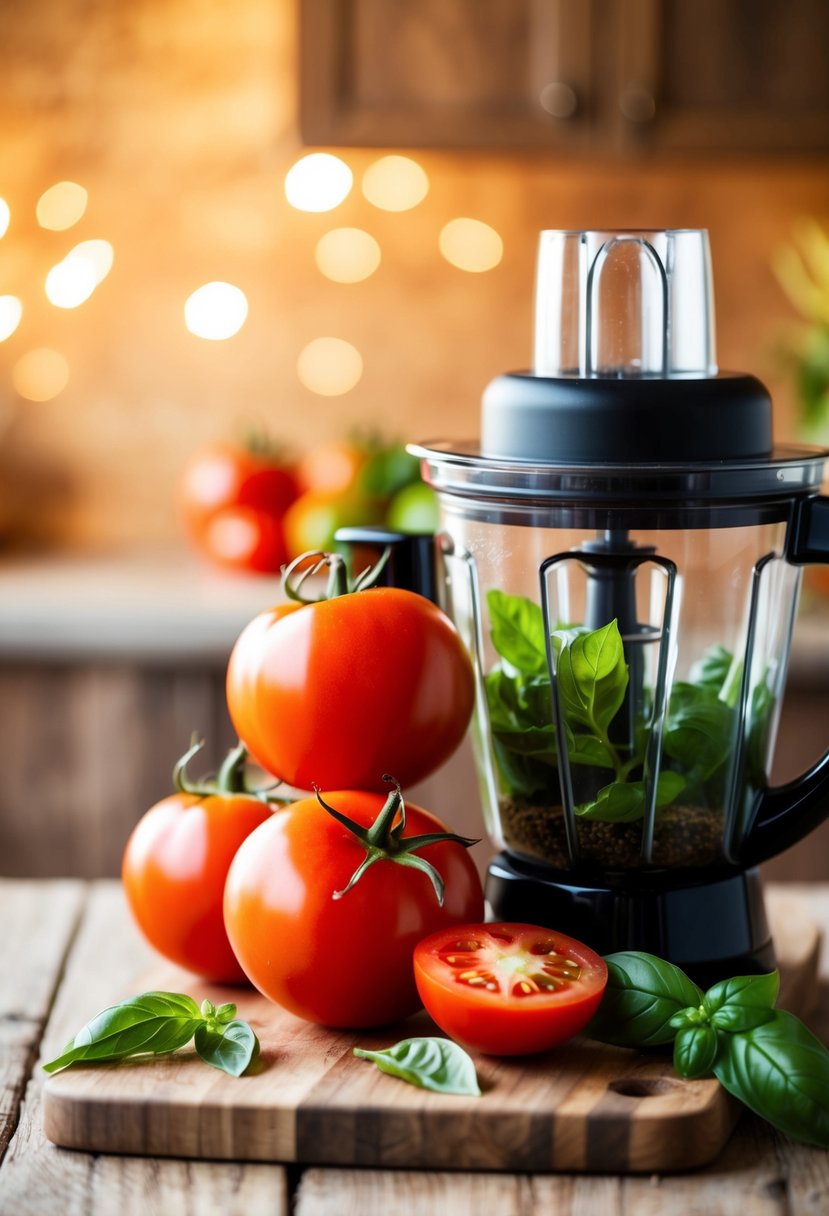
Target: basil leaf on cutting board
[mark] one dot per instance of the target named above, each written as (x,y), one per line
(780,1070)
(430,1063)
(230,1046)
(742,1003)
(642,995)
(157,1023)
(764,1056)
(695,1050)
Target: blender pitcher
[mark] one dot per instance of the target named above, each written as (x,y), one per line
(622,554)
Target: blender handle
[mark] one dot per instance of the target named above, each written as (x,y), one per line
(782,815)
(411,564)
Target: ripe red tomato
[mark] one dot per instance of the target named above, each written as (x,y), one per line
(341,960)
(338,692)
(508,989)
(232,501)
(174,869)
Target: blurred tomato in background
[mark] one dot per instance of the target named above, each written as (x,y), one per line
(246,508)
(232,499)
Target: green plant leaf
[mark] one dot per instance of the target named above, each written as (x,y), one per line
(517,628)
(592,676)
(230,1046)
(781,1072)
(695,1050)
(742,1003)
(620,802)
(151,1023)
(712,669)
(430,1063)
(624,801)
(587,749)
(699,733)
(643,993)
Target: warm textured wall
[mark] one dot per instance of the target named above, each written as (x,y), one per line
(178,116)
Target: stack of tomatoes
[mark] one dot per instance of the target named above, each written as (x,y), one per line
(247,507)
(348,907)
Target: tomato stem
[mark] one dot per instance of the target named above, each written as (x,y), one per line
(231,778)
(383,840)
(304,567)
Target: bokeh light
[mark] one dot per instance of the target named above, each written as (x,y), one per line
(329,366)
(99,254)
(216,311)
(61,206)
(395,183)
(71,282)
(40,374)
(5,217)
(471,245)
(318,182)
(347,255)
(11,310)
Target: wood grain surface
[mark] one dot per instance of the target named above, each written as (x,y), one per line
(585,1108)
(50,921)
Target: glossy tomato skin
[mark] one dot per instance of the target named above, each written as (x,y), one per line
(492,1013)
(338,693)
(174,870)
(232,502)
(340,962)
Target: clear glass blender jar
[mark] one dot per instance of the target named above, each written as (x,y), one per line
(622,555)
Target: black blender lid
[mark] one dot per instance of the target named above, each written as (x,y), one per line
(641,419)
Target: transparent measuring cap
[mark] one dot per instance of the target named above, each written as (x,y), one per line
(625,303)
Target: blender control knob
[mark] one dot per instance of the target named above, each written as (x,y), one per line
(637,104)
(559,99)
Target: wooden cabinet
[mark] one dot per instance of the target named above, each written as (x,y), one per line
(580,75)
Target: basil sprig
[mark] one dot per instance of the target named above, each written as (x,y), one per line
(762,1055)
(430,1063)
(592,677)
(157,1023)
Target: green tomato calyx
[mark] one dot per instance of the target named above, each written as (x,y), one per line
(384,840)
(232,777)
(340,582)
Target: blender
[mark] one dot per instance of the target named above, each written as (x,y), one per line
(622,553)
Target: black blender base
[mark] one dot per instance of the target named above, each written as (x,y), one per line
(712,930)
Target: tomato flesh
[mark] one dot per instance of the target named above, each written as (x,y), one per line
(508,989)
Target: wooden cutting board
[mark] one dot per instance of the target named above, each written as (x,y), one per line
(583,1106)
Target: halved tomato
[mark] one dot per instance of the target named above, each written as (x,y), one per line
(508,989)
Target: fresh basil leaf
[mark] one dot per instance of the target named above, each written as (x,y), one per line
(517,628)
(712,669)
(692,1016)
(587,749)
(592,677)
(699,734)
(153,1022)
(226,1013)
(743,1002)
(642,995)
(624,801)
(539,741)
(620,802)
(695,1050)
(781,1072)
(230,1046)
(436,1064)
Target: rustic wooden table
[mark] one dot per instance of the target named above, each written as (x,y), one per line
(67,946)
